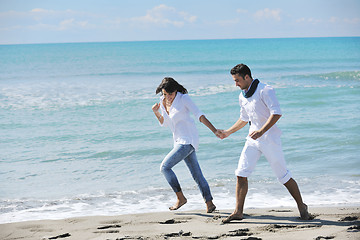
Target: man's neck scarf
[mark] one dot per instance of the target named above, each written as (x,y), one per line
(252,89)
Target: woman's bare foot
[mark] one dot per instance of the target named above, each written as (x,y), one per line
(233,217)
(178,204)
(210,208)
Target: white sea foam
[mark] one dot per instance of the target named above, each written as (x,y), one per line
(262,194)
(57,95)
(159,200)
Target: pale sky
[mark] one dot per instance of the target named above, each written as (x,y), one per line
(56,21)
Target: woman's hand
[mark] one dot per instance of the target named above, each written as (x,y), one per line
(156,107)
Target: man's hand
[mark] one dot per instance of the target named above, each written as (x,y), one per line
(256,134)
(269,123)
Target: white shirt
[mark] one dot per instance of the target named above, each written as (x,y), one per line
(179,120)
(258,108)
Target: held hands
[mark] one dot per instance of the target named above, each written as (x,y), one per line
(222,133)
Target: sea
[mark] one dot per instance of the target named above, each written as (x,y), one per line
(78,136)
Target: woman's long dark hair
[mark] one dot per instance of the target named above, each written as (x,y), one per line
(170,85)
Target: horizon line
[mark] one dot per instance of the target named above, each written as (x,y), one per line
(170,40)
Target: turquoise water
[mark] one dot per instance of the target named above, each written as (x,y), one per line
(78,136)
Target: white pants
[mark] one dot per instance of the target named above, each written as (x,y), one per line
(273,153)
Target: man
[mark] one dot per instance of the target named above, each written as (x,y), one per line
(259,108)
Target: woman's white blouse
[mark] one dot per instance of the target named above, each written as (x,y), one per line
(179,120)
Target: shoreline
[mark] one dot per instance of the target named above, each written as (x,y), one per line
(263,223)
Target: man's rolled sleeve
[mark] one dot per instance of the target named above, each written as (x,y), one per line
(271,101)
(243,114)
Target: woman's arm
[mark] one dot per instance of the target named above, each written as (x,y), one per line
(197,113)
(155,109)
(207,123)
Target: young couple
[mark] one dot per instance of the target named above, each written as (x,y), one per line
(259,108)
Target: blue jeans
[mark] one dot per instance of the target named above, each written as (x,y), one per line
(184,152)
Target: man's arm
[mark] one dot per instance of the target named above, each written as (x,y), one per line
(269,123)
(234,128)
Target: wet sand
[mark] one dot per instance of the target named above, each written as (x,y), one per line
(267,224)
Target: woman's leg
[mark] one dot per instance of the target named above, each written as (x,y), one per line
(194,167)
(177,154)
(181,200)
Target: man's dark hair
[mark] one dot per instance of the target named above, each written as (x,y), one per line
(241,69)
(170,85)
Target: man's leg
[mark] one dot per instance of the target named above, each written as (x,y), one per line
(241,191)
(293,189)
(274,154)
(247,162)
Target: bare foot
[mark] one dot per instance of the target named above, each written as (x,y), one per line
(304,214)
(178,204)
(232,217)
(211,208)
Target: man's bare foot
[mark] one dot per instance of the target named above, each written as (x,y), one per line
(304,214)
(178,204)
(211,208)
(232,217)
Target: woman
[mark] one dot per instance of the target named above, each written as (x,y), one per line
(176,105)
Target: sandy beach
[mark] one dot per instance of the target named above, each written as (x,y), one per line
(273,223)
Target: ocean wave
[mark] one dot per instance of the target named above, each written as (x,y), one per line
(54,97)
(120,75)
(345,76)
(157,199)
(342,76)
(59,95)
(284,71)
(213,90)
